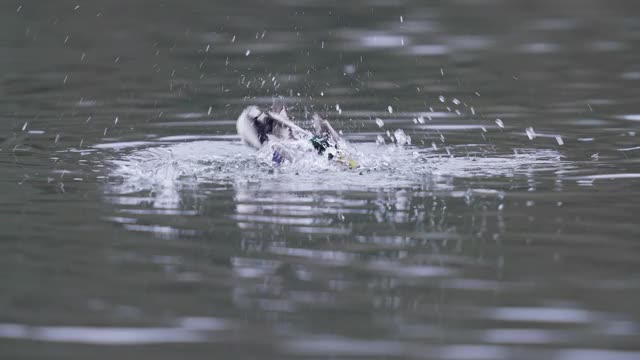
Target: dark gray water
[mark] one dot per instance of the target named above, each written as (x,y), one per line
(135,224)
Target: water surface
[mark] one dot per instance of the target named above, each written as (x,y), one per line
(136,225)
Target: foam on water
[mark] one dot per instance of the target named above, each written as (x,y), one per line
(167,169)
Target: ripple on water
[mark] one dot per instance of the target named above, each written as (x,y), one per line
(542,314)
(188,330)
(631,117)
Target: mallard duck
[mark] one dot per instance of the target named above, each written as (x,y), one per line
(257,127)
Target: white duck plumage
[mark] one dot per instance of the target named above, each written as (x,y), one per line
(256,126)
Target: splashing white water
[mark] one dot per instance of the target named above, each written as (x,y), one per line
(166,170)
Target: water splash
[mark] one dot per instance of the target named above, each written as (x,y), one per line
(166,170)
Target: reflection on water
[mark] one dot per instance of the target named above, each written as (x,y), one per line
(136,225)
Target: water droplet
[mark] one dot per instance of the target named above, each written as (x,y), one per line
(401,137)
(530,133)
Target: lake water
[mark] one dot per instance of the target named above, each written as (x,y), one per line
(135,224)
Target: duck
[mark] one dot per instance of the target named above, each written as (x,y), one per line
(257,127)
